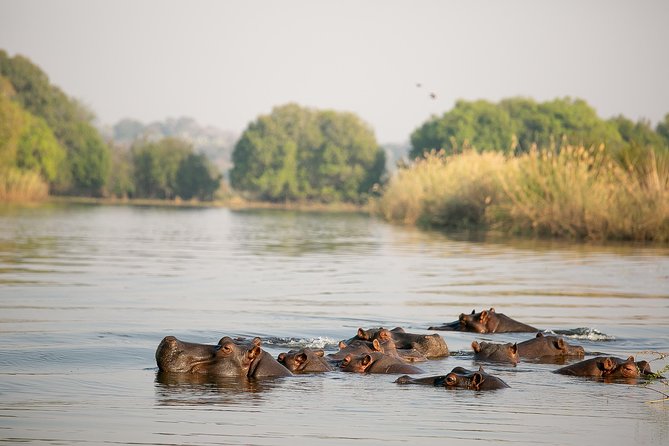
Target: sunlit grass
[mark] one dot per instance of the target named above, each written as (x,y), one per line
(22,186)
(575,192)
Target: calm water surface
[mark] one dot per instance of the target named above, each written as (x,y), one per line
(87,293)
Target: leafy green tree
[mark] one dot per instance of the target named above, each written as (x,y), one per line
(197,178)
(120,182)
(637,133)
(517,123)
(298,153)
(87,155)
(662,129)
(479,124)
(27,143)
(156,166)
(38,150)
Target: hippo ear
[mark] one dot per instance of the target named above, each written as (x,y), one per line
(257,341)
(346,361)
(474,311)
(476,346)
(342,345)
(560,344)
(361,333)
(301,358)
(492,310)
(376,346)
(540,335)
(254,352)
(477,380)
(514,348)
(630,359)
(481,368)
(320,352)
(451,379)
(281,357)
(366,360)
(484,316)
(606,365)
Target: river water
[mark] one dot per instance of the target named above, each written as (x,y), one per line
(88,292)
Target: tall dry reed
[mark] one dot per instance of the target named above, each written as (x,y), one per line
(22,186)
(453,191)
(575,192)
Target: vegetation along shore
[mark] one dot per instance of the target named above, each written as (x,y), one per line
(518,166)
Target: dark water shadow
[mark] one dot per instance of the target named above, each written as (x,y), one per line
(186,389)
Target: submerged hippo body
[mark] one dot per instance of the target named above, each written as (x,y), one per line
(548,347)
(431,346)
(305,360)
(459,378)
(227,358)
(488,351)
(487,321)
(376,362)
(607,367)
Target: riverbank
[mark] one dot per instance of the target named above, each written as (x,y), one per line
(233,203)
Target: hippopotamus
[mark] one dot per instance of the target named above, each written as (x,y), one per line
(227,358)
(487,321)
(354,348)
(432,346)
(607,367)
(547,347)
(376,362)
(489,351)
(305,360)
(459,378)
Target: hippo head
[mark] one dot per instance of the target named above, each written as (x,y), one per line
(293,360)
(464,379)
(357,364)
(177,356)
(566,348)
(224,359)
(299,360)
(627,369)
(473,322)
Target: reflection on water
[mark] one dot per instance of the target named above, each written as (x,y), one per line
(88,292)
(173,389)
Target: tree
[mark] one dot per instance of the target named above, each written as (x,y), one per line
(297,153)
(196,177)
(28,144)
(479,124)
(156,165)
(88,159)
(662,129)
(517,123)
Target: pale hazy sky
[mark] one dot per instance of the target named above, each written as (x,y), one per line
(226,62)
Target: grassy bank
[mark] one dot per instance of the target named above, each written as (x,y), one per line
(577,193)
(22,186)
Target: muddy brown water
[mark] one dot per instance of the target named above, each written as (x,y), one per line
(88,292)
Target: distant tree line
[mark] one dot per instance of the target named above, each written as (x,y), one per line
(45,134)
(293,153)
(517,124)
